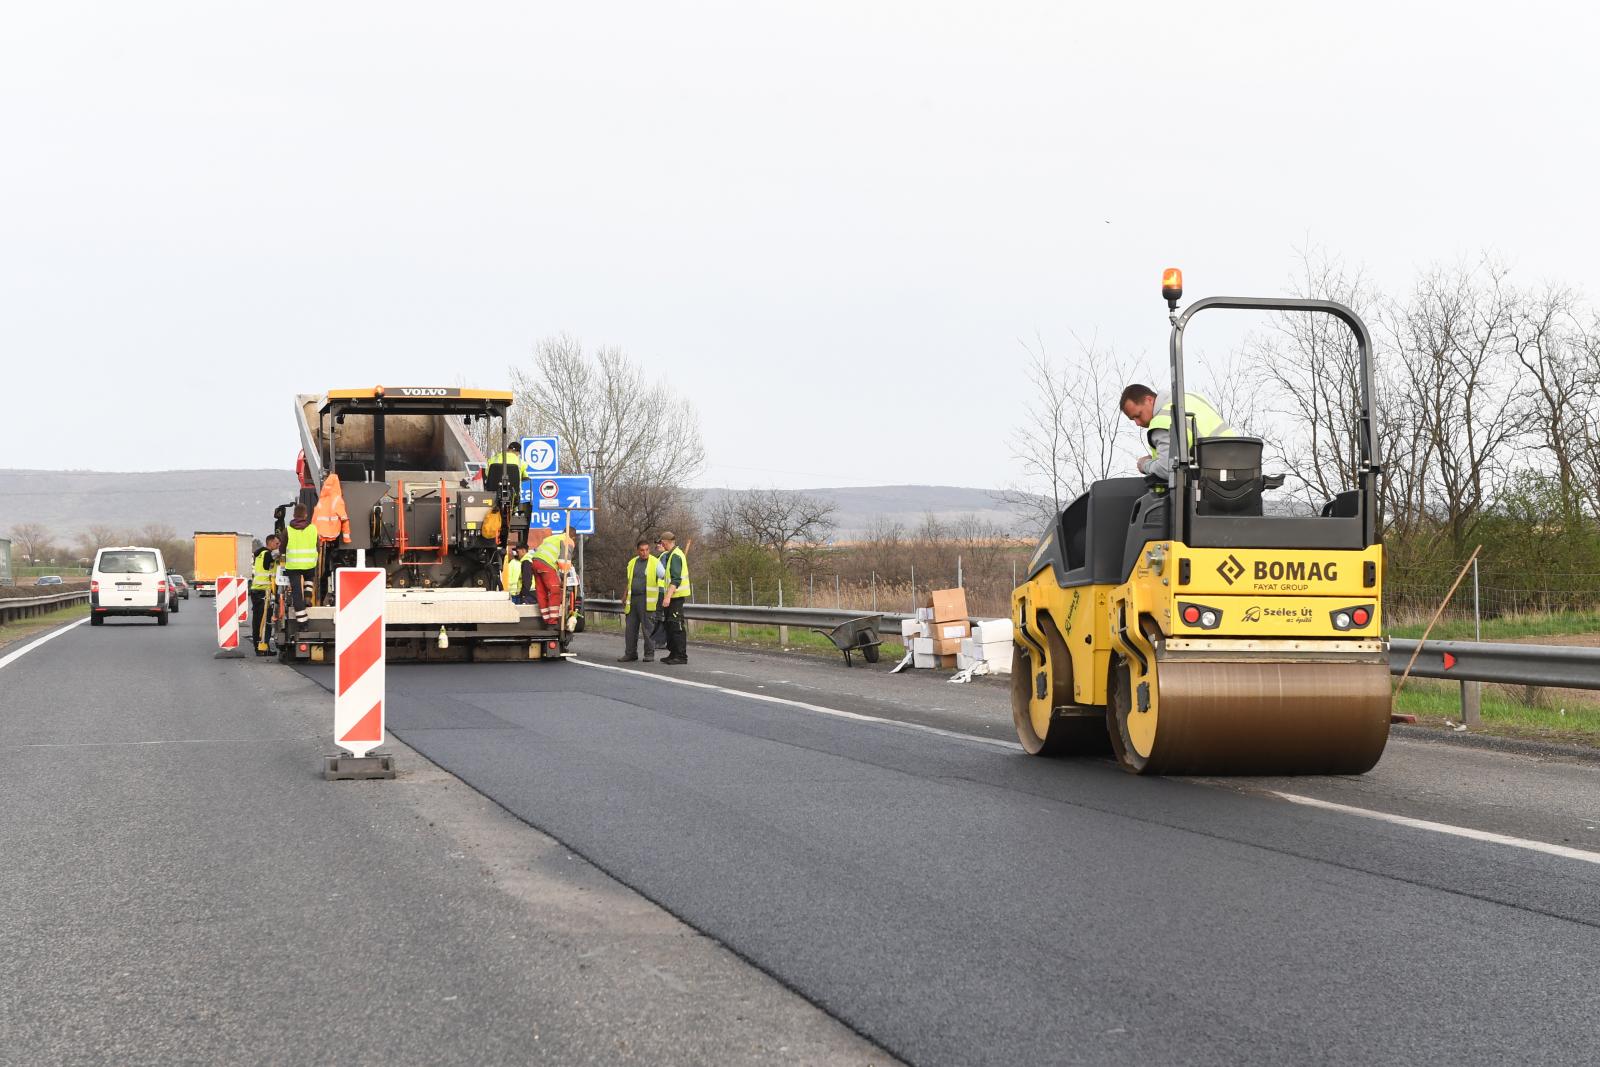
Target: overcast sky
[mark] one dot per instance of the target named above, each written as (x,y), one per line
(828,223)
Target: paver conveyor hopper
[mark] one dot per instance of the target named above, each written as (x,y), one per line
(420,500)
(1195,633)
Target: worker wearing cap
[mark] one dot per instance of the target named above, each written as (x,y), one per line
(1152,412)
(261,568)
(300,559)
(549,564)
(674,598)
(511,456)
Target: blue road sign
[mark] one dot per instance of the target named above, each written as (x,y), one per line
(568,509)
(541,456)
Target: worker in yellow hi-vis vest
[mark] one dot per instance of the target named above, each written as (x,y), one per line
(300,559)
(550,562)
(261,589)
(1152,412)
(511,574)
(674,598)
(642,585)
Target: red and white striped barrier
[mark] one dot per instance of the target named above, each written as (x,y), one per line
(233,605)
(358,636)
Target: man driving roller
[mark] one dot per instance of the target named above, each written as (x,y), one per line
(1152,412)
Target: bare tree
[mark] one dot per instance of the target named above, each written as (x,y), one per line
(99,536)
(638,439)
(783,522)
(1560,390)
(1310,364)
(176,551)
(614,424)
(1586,447)
(1068,435)
(32,538)
(1456,337)
(883,548)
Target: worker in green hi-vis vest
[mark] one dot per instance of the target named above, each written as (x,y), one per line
(642,585)
(300,559)
(1152,412)
(675,597)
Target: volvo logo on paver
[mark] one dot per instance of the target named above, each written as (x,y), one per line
(1230,569)
(426,392)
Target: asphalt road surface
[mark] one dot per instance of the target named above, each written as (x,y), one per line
(179,886)
(879,869)
(959,903)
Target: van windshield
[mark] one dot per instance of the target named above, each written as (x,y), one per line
(128,563)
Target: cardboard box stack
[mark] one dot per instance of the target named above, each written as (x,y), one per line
(990,643)
(935,635)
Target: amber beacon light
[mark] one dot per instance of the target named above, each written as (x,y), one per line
(1172,286)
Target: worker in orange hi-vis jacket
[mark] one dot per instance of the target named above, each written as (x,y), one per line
(330,517)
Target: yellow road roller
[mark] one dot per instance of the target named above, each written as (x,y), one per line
(1192,630)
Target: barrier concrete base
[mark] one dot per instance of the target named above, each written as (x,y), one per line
(341,768)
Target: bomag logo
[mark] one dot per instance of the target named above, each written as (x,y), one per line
(1296,572)
(1231,568)
(426,392)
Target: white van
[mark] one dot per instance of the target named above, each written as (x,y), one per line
(128,581)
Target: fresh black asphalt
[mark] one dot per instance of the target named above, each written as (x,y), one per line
(960,903)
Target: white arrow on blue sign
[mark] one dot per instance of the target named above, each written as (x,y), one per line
(569,510)
(540,456)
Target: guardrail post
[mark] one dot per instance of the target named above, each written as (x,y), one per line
(1472,692)
(783,631)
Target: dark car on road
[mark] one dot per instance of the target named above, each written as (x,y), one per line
(179,585)
(49,579)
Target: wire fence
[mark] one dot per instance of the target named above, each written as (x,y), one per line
(1406,603)
(986,597)
(1491,602)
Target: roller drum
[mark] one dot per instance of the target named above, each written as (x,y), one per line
(1254,717)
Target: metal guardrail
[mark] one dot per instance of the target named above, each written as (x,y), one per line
(822,618)
(23,607)
(1554,666)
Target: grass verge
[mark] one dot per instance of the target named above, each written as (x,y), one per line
(1506,626)
(12,632)
(1547,715)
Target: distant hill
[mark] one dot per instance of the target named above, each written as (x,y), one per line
(862,507)
(69,502)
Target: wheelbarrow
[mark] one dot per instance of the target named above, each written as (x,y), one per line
(857,635)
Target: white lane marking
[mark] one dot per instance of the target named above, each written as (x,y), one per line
(837,713)
(1366,813)
(179,741)
(1445,828)
(7,661)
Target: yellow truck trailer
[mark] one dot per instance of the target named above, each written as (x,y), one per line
(217,553)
